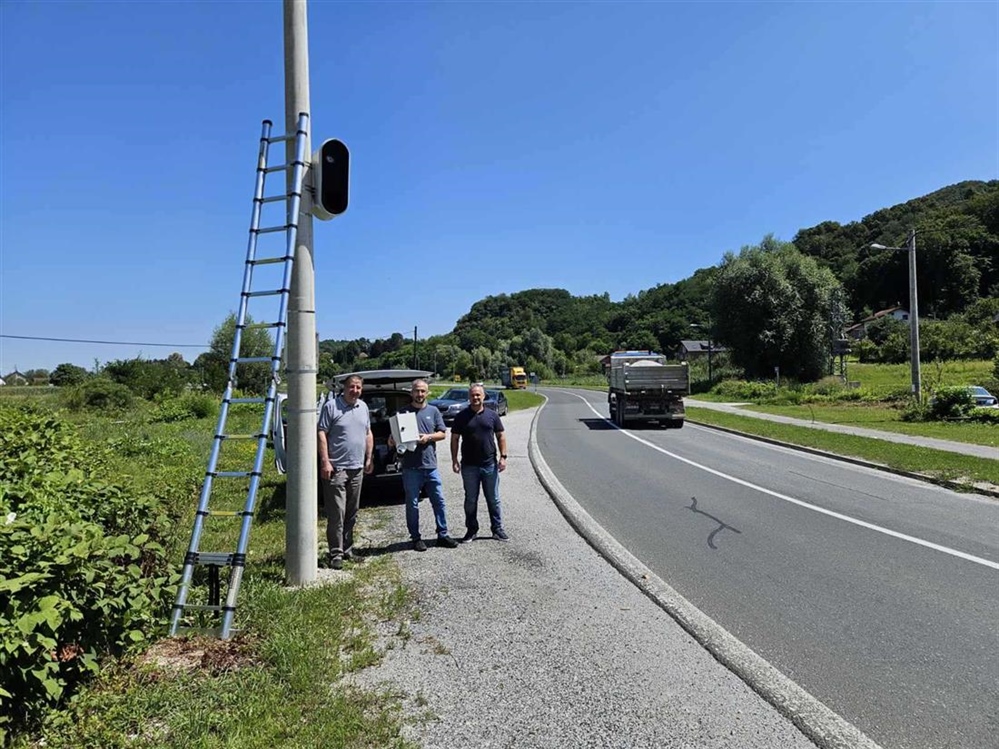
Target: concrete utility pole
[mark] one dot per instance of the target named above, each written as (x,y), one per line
(917,383)
(300,519)
(910,247)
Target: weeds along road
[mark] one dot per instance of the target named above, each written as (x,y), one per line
(874,592)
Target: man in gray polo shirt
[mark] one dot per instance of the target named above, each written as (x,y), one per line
(345,445)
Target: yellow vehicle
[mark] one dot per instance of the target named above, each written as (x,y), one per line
(515,378)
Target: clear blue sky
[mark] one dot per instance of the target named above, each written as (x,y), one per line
(496,147)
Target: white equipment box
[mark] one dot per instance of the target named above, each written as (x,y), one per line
(405,431)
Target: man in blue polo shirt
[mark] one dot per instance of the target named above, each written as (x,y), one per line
(419,468)
(479,432)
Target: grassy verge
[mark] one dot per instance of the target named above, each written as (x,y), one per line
(935,463)
(888,419)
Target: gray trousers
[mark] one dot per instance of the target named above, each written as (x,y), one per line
(341,498)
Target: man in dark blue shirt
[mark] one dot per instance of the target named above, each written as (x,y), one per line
(419,468)
(479,432)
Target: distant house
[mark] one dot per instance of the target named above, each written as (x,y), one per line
(858,331)
(15,378)
(696,349)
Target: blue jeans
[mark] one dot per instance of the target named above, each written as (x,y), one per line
(488,478)
(414,479)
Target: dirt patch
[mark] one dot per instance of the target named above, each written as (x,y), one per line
(207,654)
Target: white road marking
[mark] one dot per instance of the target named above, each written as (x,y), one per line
(800,503)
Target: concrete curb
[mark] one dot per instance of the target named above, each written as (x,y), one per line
(820,724)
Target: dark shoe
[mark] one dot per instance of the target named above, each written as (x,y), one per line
(419,545)
(500,535)
(336,564)
(353,556)
(469,537)
(447,542)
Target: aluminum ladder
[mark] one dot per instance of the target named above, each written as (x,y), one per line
(210,605)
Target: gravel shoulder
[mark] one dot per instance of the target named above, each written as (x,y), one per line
(540,642)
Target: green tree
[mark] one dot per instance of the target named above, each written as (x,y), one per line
(774,307)
(254,378)
(67,374)
(37,376)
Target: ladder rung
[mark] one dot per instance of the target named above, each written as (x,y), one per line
(269,260)
(279,168)
(234,474)
(281,138)
(221,558)
(227,513)
(253,359)
(273,229)
(262,325)
(240,436)
(273,198)
(269,292)
(249,400)
(218,558)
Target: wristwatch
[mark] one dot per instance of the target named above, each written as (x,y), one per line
(502,457)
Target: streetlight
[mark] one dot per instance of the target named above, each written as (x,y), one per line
(913,309)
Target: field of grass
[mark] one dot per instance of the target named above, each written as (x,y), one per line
(885,377)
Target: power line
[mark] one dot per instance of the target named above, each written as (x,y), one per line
(113,343)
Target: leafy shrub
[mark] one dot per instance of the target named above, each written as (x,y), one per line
(187,406)
(950,403)
(99,394)
(83,574)
(984,415)
(915,412)
(743,390)
(148,378)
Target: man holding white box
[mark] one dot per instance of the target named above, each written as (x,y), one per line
(419,463)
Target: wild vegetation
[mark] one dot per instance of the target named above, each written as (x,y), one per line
(96,506)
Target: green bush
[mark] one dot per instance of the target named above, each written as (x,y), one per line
(984,415)
(187,406)
(743,390)
(951,403)
(84,573)
(99,394)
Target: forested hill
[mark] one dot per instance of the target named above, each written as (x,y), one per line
(957,244)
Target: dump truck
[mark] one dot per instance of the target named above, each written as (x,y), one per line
(644,388)
(515,378)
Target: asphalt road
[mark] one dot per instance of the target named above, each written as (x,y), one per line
(876,593)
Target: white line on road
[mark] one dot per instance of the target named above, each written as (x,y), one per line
(800,503)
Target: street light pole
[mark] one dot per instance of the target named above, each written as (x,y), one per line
(910,247)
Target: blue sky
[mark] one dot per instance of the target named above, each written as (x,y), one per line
(495,147)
